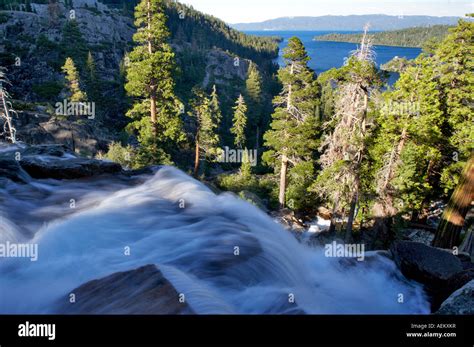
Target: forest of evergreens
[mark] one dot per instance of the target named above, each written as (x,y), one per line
(376,156)
(340,140)
(411,37)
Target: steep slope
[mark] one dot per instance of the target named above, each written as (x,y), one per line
(34,45)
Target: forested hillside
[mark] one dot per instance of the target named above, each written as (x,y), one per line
(98,38)
(411,37)
(174,86)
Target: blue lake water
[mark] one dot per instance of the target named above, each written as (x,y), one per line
(327,55)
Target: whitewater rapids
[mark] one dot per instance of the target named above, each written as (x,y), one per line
(191,234)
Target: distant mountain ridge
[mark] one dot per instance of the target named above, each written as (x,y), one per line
(378,22)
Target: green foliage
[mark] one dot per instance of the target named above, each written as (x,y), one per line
(73,83)
(340,180)
(124,155)
(295,128)
(397,65)
(266,188)
(254,97)
(417,150)
(455,66)
(150,81)
(205,31)
(73,43)
(410,37)
(215,106)
(207,123)
(239,122)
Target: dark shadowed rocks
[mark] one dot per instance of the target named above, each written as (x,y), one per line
(71,168)
(140,291)
(461,302)
(430,266)
(439,270)
(11,169)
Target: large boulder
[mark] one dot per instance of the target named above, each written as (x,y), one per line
(430,266)
(435,268)
(140,291)
(461,302)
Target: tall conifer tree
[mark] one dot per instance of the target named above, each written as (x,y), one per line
(293,137)
(156,110)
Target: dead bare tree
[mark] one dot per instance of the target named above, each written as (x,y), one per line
(7,112)
(346,144)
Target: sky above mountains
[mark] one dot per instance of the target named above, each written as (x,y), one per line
(246,11)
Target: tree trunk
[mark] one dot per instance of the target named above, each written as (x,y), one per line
(284,168)
(153,114)
(152,83)
(454,216)
(284,158)
(332,226)
(351,217)
(8,119)
(196,158)
(257,138)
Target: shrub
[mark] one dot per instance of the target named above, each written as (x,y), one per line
(120,154)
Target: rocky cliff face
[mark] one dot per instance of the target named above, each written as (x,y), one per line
(106,32)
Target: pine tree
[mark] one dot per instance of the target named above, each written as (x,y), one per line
(239,122)
(345,148)
(253,91)
(294,134)
(73,43)
(155,112)
(215,106)
(454,66)
(93,88)
(246,166)
(206,139)
(406,146)
(73,82)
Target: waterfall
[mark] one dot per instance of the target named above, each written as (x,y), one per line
(226,255)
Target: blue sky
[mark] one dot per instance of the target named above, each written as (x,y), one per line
(234,11)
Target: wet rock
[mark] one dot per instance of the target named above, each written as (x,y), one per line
(433,267)
(425,264)
(253,199)
(460,302)
(324,213)
(71,168)
(140,291)
(11,170)
(289,221)
(419,235)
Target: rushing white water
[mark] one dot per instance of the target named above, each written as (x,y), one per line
(193,246)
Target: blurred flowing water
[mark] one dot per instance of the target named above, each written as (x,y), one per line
(193,246)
